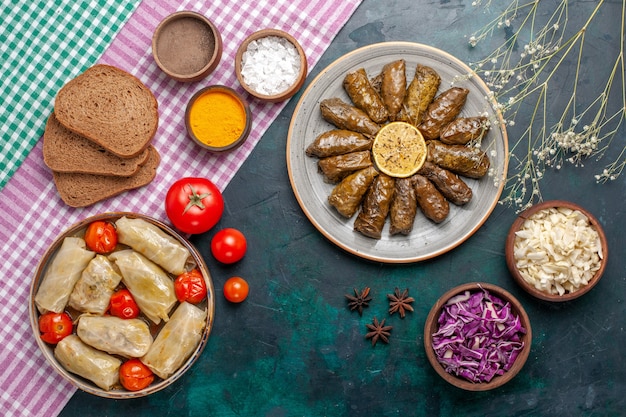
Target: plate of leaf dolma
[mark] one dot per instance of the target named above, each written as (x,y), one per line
(167,336)
(338,186)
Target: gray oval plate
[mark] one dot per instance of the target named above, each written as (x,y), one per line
(427,239)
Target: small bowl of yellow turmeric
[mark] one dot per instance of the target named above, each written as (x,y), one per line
(218,118)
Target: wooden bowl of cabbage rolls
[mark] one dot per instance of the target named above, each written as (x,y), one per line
(159,330)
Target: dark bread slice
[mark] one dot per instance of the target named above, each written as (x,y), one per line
(66,151)
(82,190)
(110,107)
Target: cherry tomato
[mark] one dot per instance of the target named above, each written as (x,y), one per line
(190,287)
(123,305)
(55,326)
(194,205)
(228,245)
(134,375)
(236,289)
(101,237)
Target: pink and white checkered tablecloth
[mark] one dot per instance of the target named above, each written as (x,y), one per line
(32,214)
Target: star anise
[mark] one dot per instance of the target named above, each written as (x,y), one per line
(359,301)
(400,302)
(378,331)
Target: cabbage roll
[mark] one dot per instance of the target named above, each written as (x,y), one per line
(130,338)
(176,341)
(78,358)
(96,285)
(151,287)
(153,243)
(433,204)
(462,130)
(61,275)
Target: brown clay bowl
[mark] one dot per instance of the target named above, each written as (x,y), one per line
(187,46)
(511,259)
(432,327)
(118,392)
(293,89)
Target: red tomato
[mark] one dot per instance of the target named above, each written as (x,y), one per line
(101,237)
(123,305)
(134,375)
(236,289)
(190,287)
(55,326)
(194,205)
(228,245)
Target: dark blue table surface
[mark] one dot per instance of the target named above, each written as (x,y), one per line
(294,349)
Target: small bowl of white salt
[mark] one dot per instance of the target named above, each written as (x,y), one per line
(556,250)
(271,65)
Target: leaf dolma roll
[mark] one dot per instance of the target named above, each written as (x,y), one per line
(463,160)
(403,207)
(430,200)
(453,188)
(96,285)
(78,358)
(62,274)
(364,96)
(338,142)
(335,168)
(345,116)
(348,194)
(445,108)
(393,87)
(464,129)
(419,94)
(375,207)
(176,341)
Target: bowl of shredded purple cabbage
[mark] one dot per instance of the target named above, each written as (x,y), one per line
(477,336)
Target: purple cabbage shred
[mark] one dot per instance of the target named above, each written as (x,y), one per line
(479,337)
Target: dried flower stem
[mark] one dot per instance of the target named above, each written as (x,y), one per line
(527,80)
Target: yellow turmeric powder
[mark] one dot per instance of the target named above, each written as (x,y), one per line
(217,118)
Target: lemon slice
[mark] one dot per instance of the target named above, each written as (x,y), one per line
(399,150)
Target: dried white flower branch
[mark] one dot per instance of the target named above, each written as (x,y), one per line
(527,79)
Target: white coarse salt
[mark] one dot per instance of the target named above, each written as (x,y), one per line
(270,65)
(557,250)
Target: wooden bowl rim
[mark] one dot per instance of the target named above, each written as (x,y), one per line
(430,327)
(510,257)
(303,65)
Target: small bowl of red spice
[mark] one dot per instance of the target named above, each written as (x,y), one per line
(477,336)
(218,118)
(187,46)
(271,65)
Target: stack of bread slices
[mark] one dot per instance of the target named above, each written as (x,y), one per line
(97,142)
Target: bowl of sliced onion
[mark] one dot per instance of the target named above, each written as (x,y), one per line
(477,336)
(556,250)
